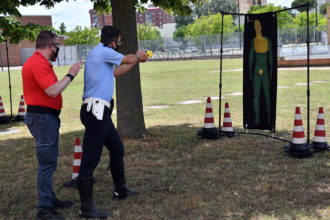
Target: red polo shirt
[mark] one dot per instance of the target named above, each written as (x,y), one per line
(38,75)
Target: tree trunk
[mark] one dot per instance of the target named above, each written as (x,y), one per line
(130,118)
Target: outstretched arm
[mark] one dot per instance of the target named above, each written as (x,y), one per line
(129,61)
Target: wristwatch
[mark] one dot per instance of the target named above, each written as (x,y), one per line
(70,76)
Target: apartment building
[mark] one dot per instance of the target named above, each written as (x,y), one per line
(154,16)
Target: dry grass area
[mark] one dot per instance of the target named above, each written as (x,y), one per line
(179,176)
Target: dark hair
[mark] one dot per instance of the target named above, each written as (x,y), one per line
(109,34)
(44,39)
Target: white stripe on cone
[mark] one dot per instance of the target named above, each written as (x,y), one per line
(209,125)
(298,140)
(298,128)
(227,128)
(208,115)
(320,139)
(76,162)
(320,127)
(227,120)
(77,149)
(74,175)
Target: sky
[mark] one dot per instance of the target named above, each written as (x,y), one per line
(74,13)
(286,3)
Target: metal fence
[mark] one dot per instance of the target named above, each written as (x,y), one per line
(291,42)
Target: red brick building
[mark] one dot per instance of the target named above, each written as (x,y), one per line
(154,16)
(14,50)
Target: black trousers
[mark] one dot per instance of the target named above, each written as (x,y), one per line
(99,133)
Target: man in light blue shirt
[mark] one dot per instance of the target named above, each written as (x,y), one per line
(103,63)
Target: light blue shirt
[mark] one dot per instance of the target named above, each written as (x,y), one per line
(99,72)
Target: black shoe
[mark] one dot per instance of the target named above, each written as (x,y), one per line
(118,176)
(61,204)
(49,214)
(121,192)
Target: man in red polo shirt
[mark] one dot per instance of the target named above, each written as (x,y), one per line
(42,93)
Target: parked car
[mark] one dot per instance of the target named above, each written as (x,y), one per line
(191,50)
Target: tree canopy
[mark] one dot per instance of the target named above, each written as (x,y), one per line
(323,8)
(211,24)
(62,28)
(284,19)
(216,6)
(80,36)
(147,32)
(297,3)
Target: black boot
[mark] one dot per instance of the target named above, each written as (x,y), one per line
(118,175)
(87,208)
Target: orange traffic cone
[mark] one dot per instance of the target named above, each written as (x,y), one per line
(3,118)
(320,140)
(227,126)
(76,164)
(209,130)
(21,110)
(298,146)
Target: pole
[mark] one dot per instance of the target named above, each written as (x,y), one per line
(239,26)
(316,37)
(308,91)
(1,59)
(220,84)
(11,103)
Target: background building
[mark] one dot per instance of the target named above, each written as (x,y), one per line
(245,5)
(14,50)
(154,16)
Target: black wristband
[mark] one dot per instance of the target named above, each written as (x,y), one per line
(70,76)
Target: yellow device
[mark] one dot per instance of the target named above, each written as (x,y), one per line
(149,53)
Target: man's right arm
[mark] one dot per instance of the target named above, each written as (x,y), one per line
(55,89)
(129,61)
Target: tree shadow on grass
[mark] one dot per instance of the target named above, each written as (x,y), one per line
(10,124)
(180,177)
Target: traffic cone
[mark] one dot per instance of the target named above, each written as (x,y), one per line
(3,118)
(227,126)
(21,110)
(320,140)
(76,164)
(209,131)
(298,146)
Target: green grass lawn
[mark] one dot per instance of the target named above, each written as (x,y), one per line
(179,176)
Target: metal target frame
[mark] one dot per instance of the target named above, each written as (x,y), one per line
(308,74)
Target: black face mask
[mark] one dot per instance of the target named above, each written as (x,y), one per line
(54,54)
(117,46)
